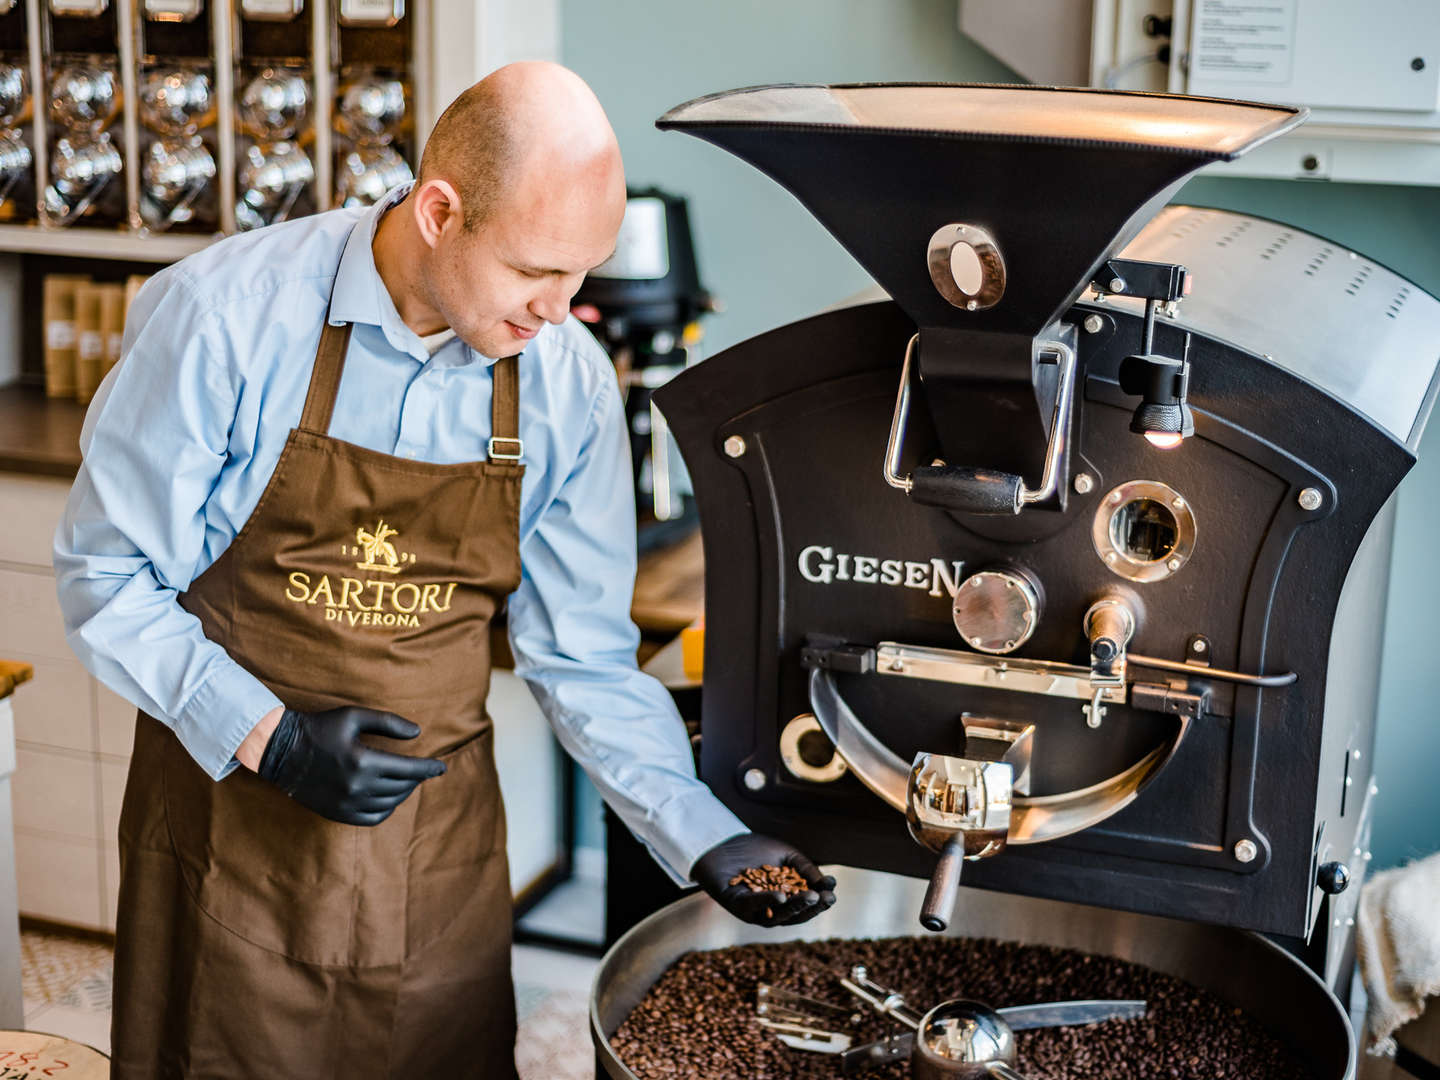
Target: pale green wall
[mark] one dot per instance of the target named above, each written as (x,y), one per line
(760,251)
(771,263)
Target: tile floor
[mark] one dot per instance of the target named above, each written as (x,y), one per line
(67,993)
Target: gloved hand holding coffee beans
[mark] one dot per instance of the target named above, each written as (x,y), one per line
(764,881)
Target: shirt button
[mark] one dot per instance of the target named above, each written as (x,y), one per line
(410,453)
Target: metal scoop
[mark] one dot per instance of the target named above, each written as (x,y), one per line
(964,1038)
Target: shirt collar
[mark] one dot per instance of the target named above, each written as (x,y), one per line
(359,294)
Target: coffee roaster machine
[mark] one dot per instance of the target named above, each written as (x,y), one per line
(1068,564)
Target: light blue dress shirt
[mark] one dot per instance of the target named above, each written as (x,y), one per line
(184,434)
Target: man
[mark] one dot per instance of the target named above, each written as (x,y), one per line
(290,566)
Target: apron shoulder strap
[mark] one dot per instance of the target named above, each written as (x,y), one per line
(325,379)
(505,445)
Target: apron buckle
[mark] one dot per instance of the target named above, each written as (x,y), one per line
(495,454)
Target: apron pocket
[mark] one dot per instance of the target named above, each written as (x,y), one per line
(269,870)
(457,846)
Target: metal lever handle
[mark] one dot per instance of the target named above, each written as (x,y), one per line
(1071,1013)
(882,999)
(1033,818)
(979,490)
(1004,1072)
(939,905)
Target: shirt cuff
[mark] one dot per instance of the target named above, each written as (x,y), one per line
(218,716)
(687,826)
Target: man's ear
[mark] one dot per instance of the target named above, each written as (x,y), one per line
(437,208)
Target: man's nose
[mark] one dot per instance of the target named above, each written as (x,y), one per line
(553,305)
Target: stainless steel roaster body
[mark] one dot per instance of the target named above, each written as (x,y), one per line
(1240,967)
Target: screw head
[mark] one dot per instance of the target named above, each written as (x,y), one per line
(755,779)
(1178,503)
(1084,483)
(1173,565)
(1117,284)
(1110,557)
(1093,323)
(1114,496)
(735,446)
(1245,850)
(1311,499)
(1198,646)
(1418,64)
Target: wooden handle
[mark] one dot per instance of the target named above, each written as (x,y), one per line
(939,902)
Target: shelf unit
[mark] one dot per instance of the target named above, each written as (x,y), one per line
(138,241)
(454,43)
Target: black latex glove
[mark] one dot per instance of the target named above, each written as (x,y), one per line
(713,871)
(319,761)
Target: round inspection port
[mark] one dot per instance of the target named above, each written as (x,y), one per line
(1144,531)
(966,266)
(807,752)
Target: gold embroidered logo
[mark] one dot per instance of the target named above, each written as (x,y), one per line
(353,601)
(377,545)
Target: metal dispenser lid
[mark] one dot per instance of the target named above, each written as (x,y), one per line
(1061,178)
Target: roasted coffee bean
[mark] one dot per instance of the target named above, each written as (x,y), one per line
(698,1020)
(781,879)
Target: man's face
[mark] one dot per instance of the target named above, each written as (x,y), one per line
(499,283)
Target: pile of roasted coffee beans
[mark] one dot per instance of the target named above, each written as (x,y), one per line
(781,879)
(698,1021)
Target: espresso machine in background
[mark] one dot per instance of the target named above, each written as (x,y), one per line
(644,305)
(1068,564)
(82,96)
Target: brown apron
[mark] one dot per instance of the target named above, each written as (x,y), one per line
(257,939)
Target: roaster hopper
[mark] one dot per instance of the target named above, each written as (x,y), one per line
(938,534)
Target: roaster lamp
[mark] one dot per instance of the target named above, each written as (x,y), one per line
(1163,383)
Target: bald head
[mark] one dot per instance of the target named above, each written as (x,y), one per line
(521,193)
(523,122)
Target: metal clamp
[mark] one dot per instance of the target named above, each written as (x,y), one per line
(975,489)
